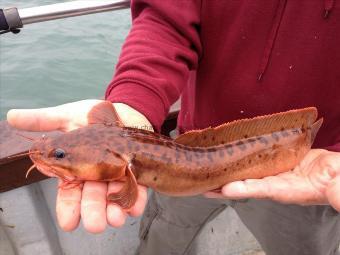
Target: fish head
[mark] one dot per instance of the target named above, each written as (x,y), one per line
(77,159)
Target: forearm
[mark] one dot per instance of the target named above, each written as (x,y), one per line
(163,46)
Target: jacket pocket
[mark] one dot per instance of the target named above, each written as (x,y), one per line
(146,223)
(150,214)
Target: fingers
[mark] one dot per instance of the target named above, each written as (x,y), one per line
(213,194)
(90,204)
(44,119)
(93,206)
(245,189)
(250,188)
(68,207)
(283,188)
(65,117)
(116,216)
(138,208)
(241,190)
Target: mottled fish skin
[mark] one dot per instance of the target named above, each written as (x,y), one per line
(182,170)
(101,152)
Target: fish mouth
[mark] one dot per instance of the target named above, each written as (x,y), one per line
(52,171)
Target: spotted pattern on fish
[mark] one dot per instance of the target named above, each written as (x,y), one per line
(229,149)
(284,133)
(209,156)
(129,144)
(137,147)
(251,141)
(241,145)
(177,155)
(188,156)
(295,131)
(263,140)
(275,136)
(167,159)
(197,154)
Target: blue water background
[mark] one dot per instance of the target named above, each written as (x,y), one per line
(59,61)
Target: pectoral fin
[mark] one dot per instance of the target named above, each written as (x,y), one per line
(315,128)
(126,197)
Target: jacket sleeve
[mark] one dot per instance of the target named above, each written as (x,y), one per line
(162,47)
(334,147)
(333,144)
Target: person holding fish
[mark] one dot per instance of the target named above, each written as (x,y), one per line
(227,60)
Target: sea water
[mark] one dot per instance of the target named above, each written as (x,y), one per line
(59,61)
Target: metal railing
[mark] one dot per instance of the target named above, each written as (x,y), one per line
(12,19)
(12,170)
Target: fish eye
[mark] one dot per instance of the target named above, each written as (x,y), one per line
(59,153)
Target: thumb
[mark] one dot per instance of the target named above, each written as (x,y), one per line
(44,119)
(333,193)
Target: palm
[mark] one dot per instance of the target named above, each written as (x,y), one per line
(314,181)
(88,200)
(303,185)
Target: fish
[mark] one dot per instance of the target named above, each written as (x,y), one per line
(191,164)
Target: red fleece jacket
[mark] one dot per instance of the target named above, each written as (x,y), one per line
(232,59)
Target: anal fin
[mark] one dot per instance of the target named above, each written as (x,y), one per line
(126,197)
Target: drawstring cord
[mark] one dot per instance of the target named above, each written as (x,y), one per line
(271,39)
(328,7)
(329,4)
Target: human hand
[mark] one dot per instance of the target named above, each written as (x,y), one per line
(88,200)
(315,181)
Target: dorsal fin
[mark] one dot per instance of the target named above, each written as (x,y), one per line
(104,113)
(240,129)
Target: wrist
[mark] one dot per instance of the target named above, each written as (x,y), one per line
(333,195)
(131,117)
(330,164)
